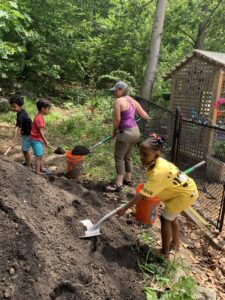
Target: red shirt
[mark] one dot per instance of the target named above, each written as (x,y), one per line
(38,123)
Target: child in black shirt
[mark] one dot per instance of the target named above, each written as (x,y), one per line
(23,126)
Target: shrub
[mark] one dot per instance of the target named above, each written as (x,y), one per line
(4,105)
(219,150)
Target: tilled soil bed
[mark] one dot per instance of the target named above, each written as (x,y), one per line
(41,254)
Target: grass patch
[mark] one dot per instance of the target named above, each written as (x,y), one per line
(31,109)
(87,127)
(161,273)
(85,124)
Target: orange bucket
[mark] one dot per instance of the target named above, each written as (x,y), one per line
(147,209)
(75,165)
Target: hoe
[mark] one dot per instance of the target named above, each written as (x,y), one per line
(94,229)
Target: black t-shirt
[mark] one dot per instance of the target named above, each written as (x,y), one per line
(23,121)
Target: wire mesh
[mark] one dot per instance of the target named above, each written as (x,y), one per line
(199,142)
(161,122)
(194,141)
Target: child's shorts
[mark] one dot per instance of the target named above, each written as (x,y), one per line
(176,205)
(38,148)
(170,216)
(26,143)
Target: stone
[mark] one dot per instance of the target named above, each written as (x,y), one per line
(7,293)
(52,168)
(203,293)
(11,271)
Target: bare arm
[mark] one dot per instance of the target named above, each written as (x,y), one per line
(15,137)
(43,137)
(140,111)
(116,117)
(130,204)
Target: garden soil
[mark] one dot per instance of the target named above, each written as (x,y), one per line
(41,254)
(43,258)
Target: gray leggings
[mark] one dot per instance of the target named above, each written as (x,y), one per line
(125,142)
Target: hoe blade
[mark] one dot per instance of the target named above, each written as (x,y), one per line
(94,229)
(91,229)
(87,223)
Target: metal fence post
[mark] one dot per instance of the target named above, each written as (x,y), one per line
(220,220)
(176,133)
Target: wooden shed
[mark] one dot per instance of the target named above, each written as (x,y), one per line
(198,80)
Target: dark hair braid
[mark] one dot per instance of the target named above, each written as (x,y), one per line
(155,141)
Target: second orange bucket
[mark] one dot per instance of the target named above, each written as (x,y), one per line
(147,209)
(75,165)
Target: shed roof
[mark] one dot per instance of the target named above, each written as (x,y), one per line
(212,57)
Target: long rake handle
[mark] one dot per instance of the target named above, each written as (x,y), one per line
(102,142)
(7,151)
(104,218)
(113,212)
(108,138)
(193,168)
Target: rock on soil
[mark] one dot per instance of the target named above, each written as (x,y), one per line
(41,254)
(205,294)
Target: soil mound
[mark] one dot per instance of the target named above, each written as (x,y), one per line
(80,150)
(60,151)
(42,256)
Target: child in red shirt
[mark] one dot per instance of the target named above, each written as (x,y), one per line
(38,140)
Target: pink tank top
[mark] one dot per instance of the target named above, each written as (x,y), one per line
(128,116)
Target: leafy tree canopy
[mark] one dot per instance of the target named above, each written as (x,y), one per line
(81,41)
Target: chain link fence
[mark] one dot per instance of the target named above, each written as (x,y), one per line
(197,142)
(161,121)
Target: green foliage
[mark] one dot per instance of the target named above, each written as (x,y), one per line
(219,150)
(181,31)
(86,127)
(4,106)
(101,41)
(162,273)
(78,96)
(68,105)
(184,289)
(118,75)
(146,238)
(150,294)
(14,33)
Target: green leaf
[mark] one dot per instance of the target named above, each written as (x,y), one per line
(150,294)
(13,4)
(3,14)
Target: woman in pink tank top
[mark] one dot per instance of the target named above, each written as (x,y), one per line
(127,133)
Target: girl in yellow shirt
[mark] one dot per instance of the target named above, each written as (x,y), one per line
(174,188)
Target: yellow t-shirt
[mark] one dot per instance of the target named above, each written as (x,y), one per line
(173,187)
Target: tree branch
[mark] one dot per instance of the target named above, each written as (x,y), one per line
(141,8)
(188,41)
(140,49)
(208,19)
(187,34)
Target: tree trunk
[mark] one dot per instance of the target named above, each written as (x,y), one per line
(199,42)
(154,49)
